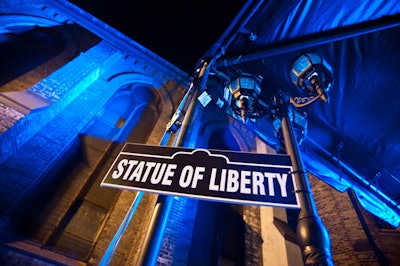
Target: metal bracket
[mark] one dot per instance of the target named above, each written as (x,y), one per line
(176,122)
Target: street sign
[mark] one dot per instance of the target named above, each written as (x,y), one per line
(233,177)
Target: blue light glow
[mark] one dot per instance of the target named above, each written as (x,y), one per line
(121,113)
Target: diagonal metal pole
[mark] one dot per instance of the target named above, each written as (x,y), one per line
(162,206)
(153,240)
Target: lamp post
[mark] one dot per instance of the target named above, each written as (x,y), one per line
(153,239)
(312,234)
(314,76)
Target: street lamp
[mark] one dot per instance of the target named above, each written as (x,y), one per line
(313,75)
(243,94)
(312,234)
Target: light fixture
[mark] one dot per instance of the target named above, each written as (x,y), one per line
(313,74)
(243,95)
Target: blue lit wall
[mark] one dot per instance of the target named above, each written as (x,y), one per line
(76,94)
(48,141)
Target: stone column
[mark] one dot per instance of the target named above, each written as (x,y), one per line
(279,245)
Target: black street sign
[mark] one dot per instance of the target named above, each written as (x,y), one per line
(234,177)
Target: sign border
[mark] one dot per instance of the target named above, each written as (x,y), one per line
(201,197)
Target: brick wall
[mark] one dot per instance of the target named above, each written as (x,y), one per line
(385,237)
(179,229)
(48,141)
(8,117)
(349,243)
(61,87)
(253,239)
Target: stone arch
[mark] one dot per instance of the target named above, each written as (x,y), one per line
(73,233)
(17,23)
(134,107)
(164,104)
(122,78)
(16,27)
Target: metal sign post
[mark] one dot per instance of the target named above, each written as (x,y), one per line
(177,126)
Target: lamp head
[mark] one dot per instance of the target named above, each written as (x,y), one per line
(243,95)
(313,74)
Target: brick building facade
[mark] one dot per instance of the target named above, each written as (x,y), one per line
(73,90)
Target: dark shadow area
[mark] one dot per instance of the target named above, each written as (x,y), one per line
(26,217)
(218,235)
(23,52)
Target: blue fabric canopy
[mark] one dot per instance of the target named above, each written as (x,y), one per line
(354,141)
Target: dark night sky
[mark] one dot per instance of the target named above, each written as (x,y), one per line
(180,31)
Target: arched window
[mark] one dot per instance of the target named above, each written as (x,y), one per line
(129,115)
(123,113)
